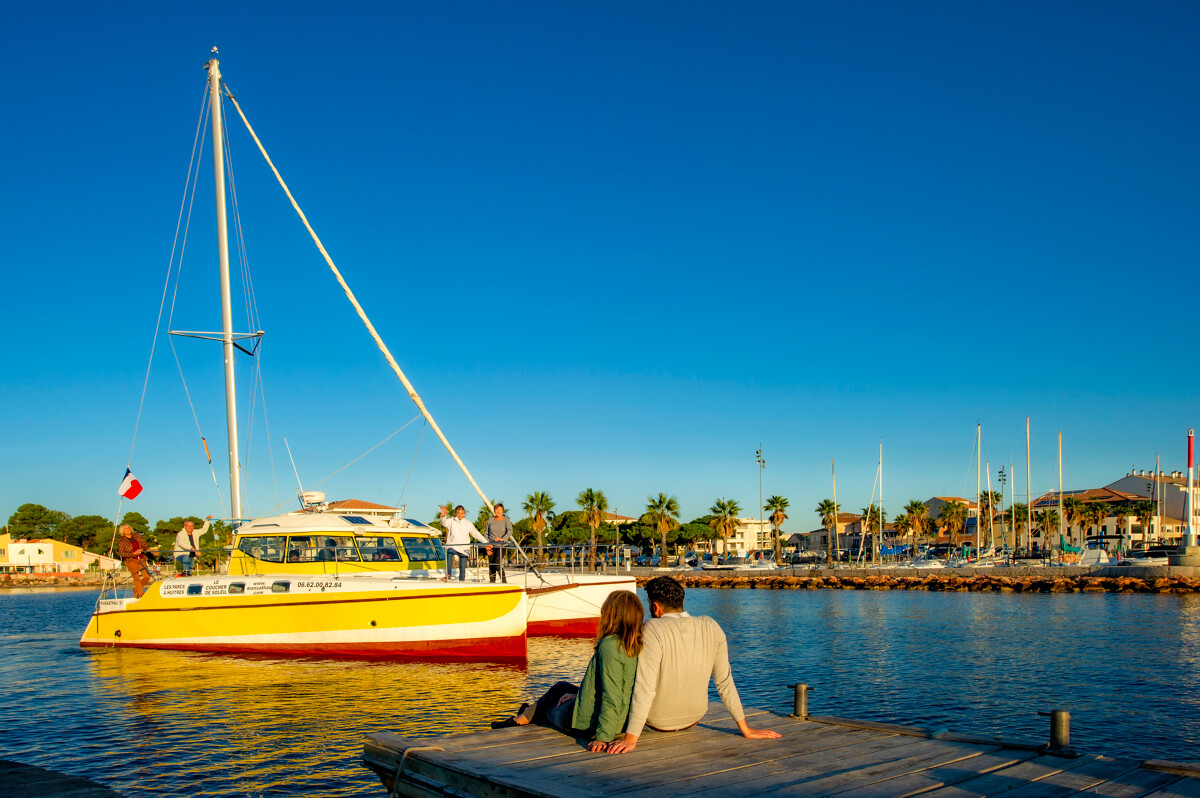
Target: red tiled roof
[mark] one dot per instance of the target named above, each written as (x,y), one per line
(1088,496)
(359,504)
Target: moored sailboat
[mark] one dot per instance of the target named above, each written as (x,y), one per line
(357,587)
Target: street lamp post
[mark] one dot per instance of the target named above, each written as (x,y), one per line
(762,463)
(1003,526)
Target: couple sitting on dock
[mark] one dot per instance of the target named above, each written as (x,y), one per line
(653,674)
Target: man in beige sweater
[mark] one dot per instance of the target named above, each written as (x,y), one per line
(680,653)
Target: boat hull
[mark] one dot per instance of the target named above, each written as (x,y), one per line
(328,617)
(568,605)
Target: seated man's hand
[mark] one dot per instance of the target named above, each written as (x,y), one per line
(759,734)
(623,746)
(596,745)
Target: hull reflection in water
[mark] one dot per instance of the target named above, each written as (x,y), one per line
(359,617)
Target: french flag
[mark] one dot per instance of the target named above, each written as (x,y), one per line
(130,487)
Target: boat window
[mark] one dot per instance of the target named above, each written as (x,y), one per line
(301,549)
(237,587)
(195,590)
(281,587)
(378,549)
(423,549)
(356,519)
(265,548)
(335,548)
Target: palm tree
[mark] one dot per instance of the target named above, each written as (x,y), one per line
(1122,519)
(917,514)
(1047,521)
(828,512)
(1097,514)
(725,523)
(1020,519)
(776,506)
(663,514)
(872,523)
(594,504)
(954,518)
(1073,513)
(1145,516)
(538,507)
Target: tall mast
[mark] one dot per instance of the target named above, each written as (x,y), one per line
(1060,518)
(1029,489)
(879,556)
(833,471)
(1158,496)
(978,488)
(991,510)
(235,477)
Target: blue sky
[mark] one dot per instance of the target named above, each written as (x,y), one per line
(614,245)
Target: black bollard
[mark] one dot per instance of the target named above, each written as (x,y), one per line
(800,700)
(1060,733)
(1060,730)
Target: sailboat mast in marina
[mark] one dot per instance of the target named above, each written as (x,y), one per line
(318,582)
(235,474)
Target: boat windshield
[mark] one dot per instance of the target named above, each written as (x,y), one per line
(423,549)
(381,549)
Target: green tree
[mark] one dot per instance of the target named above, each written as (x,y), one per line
(953,517)
(35,521)
(829,513)
(1047,522)
(85,530)
(662,514)
(1074,512)
(594,504)
(1019,515)
(1097,514)
(538,506)
(724,522)
(873,522)
(776,505)
(918,516)
(1145,516)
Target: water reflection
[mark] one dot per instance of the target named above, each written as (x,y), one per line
(154,723)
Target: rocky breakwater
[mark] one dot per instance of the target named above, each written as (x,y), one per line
(51,580)
(948,582)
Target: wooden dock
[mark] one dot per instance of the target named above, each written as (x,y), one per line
(816,756)
(18,780)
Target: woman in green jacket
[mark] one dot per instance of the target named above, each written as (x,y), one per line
(599,706)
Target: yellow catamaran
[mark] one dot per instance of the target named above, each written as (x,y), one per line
(320,583)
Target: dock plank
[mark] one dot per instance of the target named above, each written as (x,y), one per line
(1135,784)
(1075,780)
(812,757)
(919,781)
(1010,778)
(1184,788)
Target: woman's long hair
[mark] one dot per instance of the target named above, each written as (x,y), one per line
(622,615)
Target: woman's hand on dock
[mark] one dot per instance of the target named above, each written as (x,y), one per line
(623,746)
(759,734)
(596,745)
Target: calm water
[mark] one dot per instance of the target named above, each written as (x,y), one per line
(162,723)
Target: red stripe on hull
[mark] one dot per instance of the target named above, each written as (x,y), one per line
(571,627)
(488,648)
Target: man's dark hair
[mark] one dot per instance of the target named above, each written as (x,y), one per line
(666,591)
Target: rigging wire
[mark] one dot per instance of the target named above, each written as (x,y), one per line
(171,317)
(364,454)
(412,392)
(201,124)
(400,501)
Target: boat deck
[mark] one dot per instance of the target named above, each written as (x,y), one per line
(815,756)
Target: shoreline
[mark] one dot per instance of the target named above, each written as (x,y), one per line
(1103,579)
